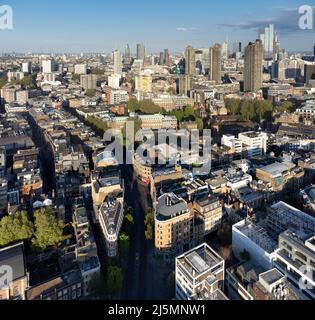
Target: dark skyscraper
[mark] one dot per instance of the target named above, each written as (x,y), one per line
(167,58)
(190,58)
(161,59)
(140,51)
(254,54)
(127,57)
(309,72)
(215,55)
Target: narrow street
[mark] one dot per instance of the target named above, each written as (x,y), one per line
(136,196)
(46,158)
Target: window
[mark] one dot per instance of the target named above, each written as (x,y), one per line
(301,255)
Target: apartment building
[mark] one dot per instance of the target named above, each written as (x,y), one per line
(104,183)
(254,143)
(158,121)
(111,215)
(68,286)
(233,143)
(173,226)
(307,199)
(281,176)
(108,203)
(88,82)
(208,208)
(199,275)
(282,217)
(86,249)
(12,258)
(254,238)
(248,282)
(143,83)
(295,258)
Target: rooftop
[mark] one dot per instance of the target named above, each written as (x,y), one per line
(13,256)
(257,234)
(169,206)
(275,169)
(199,260)
(110,212)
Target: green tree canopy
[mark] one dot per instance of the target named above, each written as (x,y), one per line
(15,228)
(171,90)
(149,222)
(233,106)
(114,279)
(3,81)
(124,242)
(128,222)
(285,106)
(137,126)
(97,71)
(98,286)
(49,230)
(76,77)
(97,124)
(256,110)
(90,93)
(144,106)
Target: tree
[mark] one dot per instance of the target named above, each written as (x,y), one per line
(97,124)
(49,230)
(200,124)
(133,105)
(98,71)
(90,93)
(149,232)
(247,110)
(285,106)
(15,228)
(124,243)
(98,286)
(171,90)
(128,222)
(137,126)
(145,106)
(3,81)
(233,106)
(114,279)
(189,111)
(149,218)
(29,81)
(76,77)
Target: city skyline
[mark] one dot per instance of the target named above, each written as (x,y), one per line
(102,27)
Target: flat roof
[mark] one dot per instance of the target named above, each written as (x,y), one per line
(13,256)
(271,276)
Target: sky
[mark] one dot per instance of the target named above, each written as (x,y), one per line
(73,26)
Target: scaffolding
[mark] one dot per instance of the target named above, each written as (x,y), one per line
(282,217)
(259,236)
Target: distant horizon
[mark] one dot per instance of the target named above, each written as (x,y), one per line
(98,26)
(107,53)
